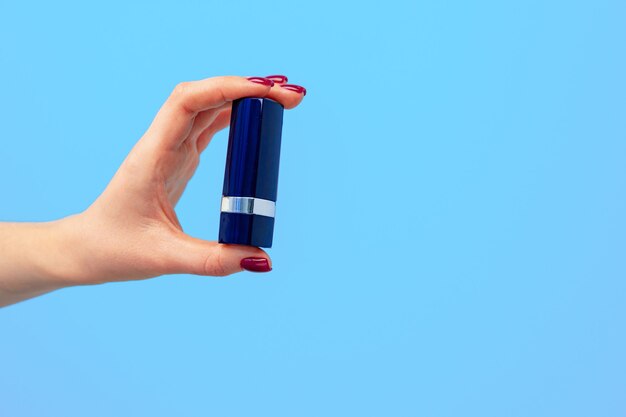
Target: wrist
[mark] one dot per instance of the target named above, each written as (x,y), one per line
(61,262)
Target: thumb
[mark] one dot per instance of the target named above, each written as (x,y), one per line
(201,257)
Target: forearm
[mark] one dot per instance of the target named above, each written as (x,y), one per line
(33,257)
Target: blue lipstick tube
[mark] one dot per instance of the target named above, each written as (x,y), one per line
(251,175)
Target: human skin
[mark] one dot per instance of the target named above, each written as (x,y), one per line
(131,231)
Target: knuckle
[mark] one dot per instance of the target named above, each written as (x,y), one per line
(219,85)
(181,94)
(181,89)
(215,264)
(222,79)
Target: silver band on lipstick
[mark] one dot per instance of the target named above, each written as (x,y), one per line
(248,205)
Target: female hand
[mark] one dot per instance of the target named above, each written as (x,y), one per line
(131,231)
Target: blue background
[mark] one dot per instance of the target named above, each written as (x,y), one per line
(481,274)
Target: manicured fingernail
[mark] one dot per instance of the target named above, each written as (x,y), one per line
(296,88)
(280,79)
(261,80)
(256,264)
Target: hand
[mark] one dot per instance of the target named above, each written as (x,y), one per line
(131,231)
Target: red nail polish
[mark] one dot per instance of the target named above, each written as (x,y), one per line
(256,264)
(280,79)
(261,80)
(296,88)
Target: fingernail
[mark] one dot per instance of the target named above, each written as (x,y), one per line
(296,88)
(256,264)
(261,80)
(280,79)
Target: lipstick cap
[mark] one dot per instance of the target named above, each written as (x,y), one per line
(251,174)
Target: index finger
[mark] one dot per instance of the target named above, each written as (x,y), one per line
(196,96)
(174,120)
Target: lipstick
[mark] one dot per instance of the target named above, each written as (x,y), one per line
(251,174)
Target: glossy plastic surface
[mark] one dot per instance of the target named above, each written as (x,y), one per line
(252,164)
(246,229)
(254,149)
